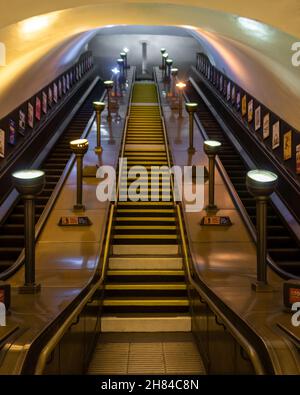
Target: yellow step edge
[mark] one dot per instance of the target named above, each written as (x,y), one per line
(135,227)
(146,302)
(144,272)
(146,286)
(146,219)
(149,203)
(120,210)
(148,237)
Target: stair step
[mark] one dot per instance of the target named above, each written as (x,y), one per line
(146,302)
(145,262)
(146,286)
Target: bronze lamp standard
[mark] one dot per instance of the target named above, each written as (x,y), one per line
(98,107)
(180,86)
(29,183)
(79,148)
(162,51)
(191,108)
(211,148)
(108,86)
(261,184)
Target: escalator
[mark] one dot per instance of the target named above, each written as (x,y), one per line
(145,288)
(282,247)
(12,229)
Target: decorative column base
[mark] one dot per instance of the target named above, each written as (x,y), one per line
(259,286)
(79,207)
(30,289)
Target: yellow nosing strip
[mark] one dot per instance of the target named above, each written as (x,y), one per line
(146,302)
(150,237)
(158,219)
(143,286)
(145,227)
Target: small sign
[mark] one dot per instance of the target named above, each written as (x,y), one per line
(291,292)
(5,294)
(75,221)
(216,220)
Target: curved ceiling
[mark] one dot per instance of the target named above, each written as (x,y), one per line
(256,55)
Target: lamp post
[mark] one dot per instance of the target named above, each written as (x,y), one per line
(191,109)
(126,50)
(174,74)
(29,183)
(123,57)
(162,51)
(261,184)
(211,148)
(108,86)
(79,148)
(98,107)
(116,73)
(165,57)
(169,63)
(180,86)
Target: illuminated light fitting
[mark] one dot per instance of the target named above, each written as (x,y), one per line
(115,70)
(253,25)
(36,23)
(126,50)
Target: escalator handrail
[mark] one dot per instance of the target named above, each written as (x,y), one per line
(54,341)
(252,353)
(47,210)
(249,224)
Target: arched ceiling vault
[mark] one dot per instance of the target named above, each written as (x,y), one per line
(256,55)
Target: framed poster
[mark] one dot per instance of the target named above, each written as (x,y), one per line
(297,158)
(221,83)
(59,88)
(250,111)
(64,84)
(22,122)
(30,115)
(68,82)
(12,132)
(228,90)
(45,102)
(233,94)
(287,145)
(225,87)
(50,96)
(238,100)
(244,105)
(276,135)
(257,118)
(2,143)
(55,93)
(266,126)
(38,106)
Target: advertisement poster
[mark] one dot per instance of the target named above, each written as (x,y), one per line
(233,94)
(55,93)
(276,135)
(225,88)
(2,143)
(30,115)
(297,158)
(287,145)
(250,111)
(45,102)
(244,105)
(59,88)
(257,118)
(50,97)
(64,84)
(238,100)
(228,91)
(38,106)
(221,83)
(22,122)
(68,82)
(12,132)
(266,126)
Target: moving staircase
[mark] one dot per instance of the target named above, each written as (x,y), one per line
(12,230)
(145,277)
(282,246)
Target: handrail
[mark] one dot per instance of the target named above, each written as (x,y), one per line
(259,369)
(47,350)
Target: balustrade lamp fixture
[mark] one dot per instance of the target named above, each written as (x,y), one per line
(108,86)
(169,63)
(116,73)
(79,148)
(191,109)
(261,184)
(180,86)
(98,107)
(162,51)
(211,148)
(126,50)
(123,56)
(29,183)
(174,74)
(165,57)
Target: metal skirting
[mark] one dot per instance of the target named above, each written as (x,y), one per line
(146,353)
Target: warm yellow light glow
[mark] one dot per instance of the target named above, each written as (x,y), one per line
(33,25)
(79,142)
(181,85)
(28,174)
